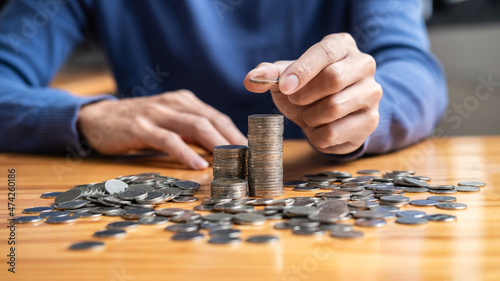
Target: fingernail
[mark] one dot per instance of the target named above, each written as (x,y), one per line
(199,163)
(289,84)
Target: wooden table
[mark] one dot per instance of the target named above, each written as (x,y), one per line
(468,249)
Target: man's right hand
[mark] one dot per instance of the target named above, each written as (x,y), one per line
(164,122)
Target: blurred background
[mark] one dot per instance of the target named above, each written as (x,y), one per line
(464,35)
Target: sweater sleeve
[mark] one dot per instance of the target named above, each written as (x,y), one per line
(413,82)
(35,39)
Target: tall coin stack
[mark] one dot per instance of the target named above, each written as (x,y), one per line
(230,161)
(265,155)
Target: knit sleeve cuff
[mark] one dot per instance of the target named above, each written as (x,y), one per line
(56,125)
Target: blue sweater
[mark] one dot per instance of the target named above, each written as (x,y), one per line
(207,46)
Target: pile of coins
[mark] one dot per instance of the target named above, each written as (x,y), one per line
(371,201)
(265,155)
(230,161)
(228,188)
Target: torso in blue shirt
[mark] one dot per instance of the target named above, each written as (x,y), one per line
(209,46)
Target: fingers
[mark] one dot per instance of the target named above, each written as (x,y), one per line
(354,98)
(344,135)
(334,78)
(169,142)
(184,101)
(330,50)
(194,127)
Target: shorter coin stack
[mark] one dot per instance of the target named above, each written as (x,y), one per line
(230,161)
(228,188)
(265,155)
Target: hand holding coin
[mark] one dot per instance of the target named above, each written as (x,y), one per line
(330,92)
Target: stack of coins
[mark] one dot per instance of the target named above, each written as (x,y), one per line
(228,188)
(230,161)
(265,155)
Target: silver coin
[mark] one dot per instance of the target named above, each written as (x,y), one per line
(263,239)
(306,188)
(137,213)
(87,245)
(115,186)
(55,214)
(203,207)
(182,227)
(308,231)
(50,195)
(368,172)
(410,189)
(443,191)
(442,198)
(153,220)
(133,194)
(295,183)
(302,222)
(346,234)
(34,210)
(300,211)
(230,232)
(220,240)
(411,220)
(169,212)
(122,225)
(26,219)
(441,217)
(370,222)
(185,199)
(187,184)
(75,204)
(188,236)
(451,206)
(467,188)
(337,227)
(60,220)
(86,214)
(472,183)
(416,182)
(423,202)
(110,233)
(249,218)
(68,195)
(394,199)
(218,217)
(411,213)
(282,225)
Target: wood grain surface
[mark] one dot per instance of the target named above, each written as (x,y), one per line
(467,249)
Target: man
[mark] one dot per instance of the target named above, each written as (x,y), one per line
(179,66)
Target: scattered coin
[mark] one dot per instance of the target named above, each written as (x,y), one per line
(411,220)
(352,234)
(110,233)
(50,195)
(370,222)
(442,198)
(441,217)
(182,227)
(75,204)
(411,213)
(368,172)
(152,220)
(423,202)
(115,186)
(34,210)
(27,219)
(230,232)
(467,188)
(472,183)
(451,206)
(308,231)
(263,239)
(224,240)
(188,236)
(87,245)
(60,220)
(122,225)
